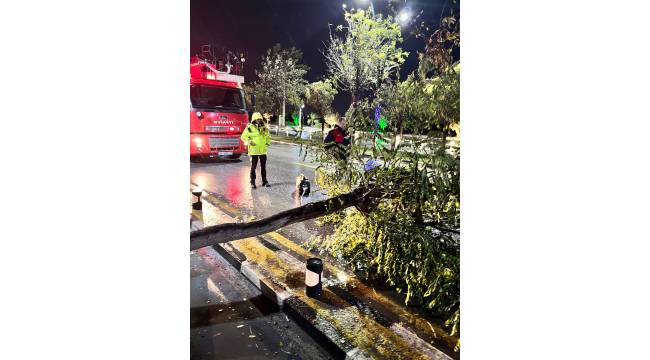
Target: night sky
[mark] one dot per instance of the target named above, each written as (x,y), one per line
(256,25)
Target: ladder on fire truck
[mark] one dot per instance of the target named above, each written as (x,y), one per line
(211,73)
(223,61)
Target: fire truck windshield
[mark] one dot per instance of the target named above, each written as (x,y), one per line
(212,97)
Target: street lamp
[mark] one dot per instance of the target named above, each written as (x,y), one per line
(404,16)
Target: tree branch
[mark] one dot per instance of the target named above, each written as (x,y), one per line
(437,226)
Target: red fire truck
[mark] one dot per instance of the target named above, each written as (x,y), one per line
(218,112)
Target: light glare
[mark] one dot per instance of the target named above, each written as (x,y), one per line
(404,16)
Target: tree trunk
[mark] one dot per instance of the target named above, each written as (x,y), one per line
(443,138)
(213,235)
(283,112)
(362,198)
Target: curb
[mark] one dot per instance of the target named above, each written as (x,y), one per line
(324,318)
(307,315)
(284,142)
(298,310)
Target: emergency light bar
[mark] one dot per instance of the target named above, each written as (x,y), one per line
(214,74)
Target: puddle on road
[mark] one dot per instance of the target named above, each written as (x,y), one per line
(262,337)
(231,319)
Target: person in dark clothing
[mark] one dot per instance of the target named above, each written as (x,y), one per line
(337,141)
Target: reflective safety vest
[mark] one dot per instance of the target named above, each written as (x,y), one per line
(257,139)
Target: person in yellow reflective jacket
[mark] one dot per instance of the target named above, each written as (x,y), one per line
(256,136)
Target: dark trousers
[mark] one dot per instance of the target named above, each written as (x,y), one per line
(254,159)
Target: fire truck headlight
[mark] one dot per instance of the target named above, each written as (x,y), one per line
(199,114)
(198,142)
(232,128)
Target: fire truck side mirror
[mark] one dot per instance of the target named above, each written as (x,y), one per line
(253,101)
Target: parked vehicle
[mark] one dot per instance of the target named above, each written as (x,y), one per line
(218,111)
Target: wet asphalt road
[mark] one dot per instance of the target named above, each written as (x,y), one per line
(230,318)
(230,180)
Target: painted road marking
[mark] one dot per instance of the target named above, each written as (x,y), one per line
(234,212)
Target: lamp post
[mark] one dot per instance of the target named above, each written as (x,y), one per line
(300,116)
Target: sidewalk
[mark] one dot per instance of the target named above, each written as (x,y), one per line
(230,318)
(351,318)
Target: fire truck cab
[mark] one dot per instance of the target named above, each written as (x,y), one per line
(218,112)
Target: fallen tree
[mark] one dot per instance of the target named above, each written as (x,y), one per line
(222,233)
(362,198)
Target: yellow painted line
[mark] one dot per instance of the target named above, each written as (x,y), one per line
(197,214)
(289,244)
(355,326)
(222,204)
(285,242)
(411,318)
(213,199)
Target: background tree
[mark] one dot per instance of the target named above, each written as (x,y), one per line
(280,80)
(319,95)
(364,53)
(409,236)
(314,119)
(444,88)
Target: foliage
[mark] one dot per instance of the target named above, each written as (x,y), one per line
(314,120)
(438,51)
(281,78)
(404,238)
(364,53)
(410,236)
(320,95)
(432,105)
